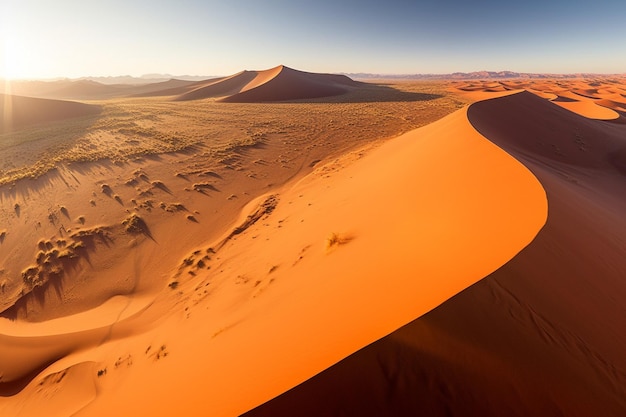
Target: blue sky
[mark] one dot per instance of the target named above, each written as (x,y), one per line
(41,38)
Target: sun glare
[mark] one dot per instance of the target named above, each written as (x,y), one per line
(9,69)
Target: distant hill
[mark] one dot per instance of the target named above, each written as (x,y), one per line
(280,83)
(145,79)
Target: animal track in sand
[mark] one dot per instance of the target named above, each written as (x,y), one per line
(157,354)
(301,255)
(124,360)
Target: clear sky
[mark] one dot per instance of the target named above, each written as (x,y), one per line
(73,38)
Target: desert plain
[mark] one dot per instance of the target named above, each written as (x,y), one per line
(286,243)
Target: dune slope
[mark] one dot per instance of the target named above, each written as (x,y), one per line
(17,111)
(542,335)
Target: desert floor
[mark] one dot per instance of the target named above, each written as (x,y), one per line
(200,257)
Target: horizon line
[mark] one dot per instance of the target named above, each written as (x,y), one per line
(159,76)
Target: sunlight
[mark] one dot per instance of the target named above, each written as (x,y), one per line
(9,68)
(5,87)
(6,106)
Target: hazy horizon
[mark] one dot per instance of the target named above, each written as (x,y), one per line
(198,77)
(69,39)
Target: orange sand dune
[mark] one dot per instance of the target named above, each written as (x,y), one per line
(589,109)
(618,106)
(310,273)
(341,259)
(277,84)
(17,112)
(542,335)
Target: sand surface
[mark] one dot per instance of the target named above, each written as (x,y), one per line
(202,257)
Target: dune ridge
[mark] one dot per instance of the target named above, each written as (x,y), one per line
(539,336)
(280,83)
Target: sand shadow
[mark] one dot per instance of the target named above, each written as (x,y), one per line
(136,225)
(161,186)
(89,168)
(26,187)
(561,99)
(14,387)
(372,93)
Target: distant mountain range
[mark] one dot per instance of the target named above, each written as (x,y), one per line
(157,77)
(473,75)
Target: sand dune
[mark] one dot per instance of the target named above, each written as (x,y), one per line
(17,112)
(92,90)
(276,84)
(589,109)
(325,274)
(540,336)
(68,89)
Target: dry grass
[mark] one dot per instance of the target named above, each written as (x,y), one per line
(129,129)
(336,239)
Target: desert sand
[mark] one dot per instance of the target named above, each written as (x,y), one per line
(200,248)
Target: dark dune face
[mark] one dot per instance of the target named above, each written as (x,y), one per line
(541,336)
